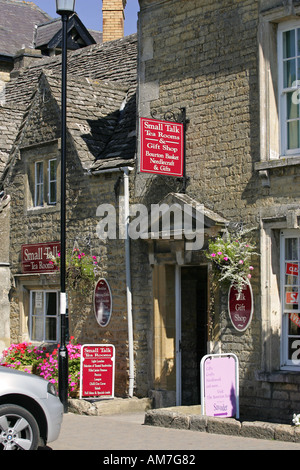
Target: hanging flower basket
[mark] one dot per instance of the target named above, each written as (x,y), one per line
(81,270)
(231,256)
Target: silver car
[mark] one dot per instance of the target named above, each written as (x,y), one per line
(31,413)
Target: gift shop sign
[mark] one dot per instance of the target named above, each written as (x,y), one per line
(240,307)
(37,258)
(220,385)
(97,371)
(162,147)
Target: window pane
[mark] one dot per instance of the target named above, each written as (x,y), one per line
(37,328)
(291,248)
(293,135)
(51,304)
(52,181)
(39,184)
(292,105)
(289,44)
(50,329)
(294,324)
(294,350)
(289,68)
(298,41)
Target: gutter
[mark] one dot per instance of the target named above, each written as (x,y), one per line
(126,171)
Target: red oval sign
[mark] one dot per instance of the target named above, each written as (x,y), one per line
(102,302)
(240,307)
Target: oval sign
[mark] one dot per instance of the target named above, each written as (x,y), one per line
(240,307)
(102,302)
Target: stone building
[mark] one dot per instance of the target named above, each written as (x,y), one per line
(101,147)
(232,68)
(231,65)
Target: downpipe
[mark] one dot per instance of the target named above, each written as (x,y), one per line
(128,280)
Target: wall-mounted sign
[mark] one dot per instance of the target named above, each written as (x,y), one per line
(102,302)
(37,258)
(162,147)
(220,385)
(97,371)
(240,307)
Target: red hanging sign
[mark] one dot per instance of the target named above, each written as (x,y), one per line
(97,370)
(240,307)
(37,258)
(162,147)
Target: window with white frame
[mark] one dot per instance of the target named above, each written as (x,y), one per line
(44,317)
(290,287)
(45,182)
(289,87)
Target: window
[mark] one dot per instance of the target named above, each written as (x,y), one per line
(289,87)
(44,316)
(52,181)
(45,171)
(290,259)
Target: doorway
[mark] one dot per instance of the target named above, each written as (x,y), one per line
(193,334)
(179,332)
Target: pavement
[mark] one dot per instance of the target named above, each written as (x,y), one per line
(186,418)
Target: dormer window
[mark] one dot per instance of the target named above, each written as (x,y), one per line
(45,182)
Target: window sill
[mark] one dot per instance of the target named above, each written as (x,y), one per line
(43,209)
(277,163)
(282,376)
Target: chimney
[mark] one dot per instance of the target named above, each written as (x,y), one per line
(113,19)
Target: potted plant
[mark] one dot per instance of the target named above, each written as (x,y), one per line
(81,270)
(232,255)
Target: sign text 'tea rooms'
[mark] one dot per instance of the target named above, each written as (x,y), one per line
(162,147)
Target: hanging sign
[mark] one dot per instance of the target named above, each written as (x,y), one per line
(220,385)
(162,147)
(240,307)
(97,370)
(102,302)
(37,258)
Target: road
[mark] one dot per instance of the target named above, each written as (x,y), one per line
(127,432)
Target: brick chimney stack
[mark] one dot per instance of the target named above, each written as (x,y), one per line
(113,19)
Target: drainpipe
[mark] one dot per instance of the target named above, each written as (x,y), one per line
(128,280)
(126,171)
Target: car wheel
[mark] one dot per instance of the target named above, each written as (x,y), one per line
(18,429)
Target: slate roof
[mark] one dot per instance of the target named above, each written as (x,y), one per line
(17,25)
(96,119)
(114,61)
(101,115)
(10,121)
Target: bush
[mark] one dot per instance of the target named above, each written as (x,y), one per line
(40,362)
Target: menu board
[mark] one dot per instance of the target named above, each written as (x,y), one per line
(97,371)
(219,385)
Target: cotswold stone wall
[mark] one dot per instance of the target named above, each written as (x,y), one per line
(204,56)
(34,225)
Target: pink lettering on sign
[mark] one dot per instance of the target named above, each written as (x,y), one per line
(162,147)
(97,371)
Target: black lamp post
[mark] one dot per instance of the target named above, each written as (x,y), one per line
(64,8)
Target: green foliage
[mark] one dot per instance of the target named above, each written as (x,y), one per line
(231,256)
